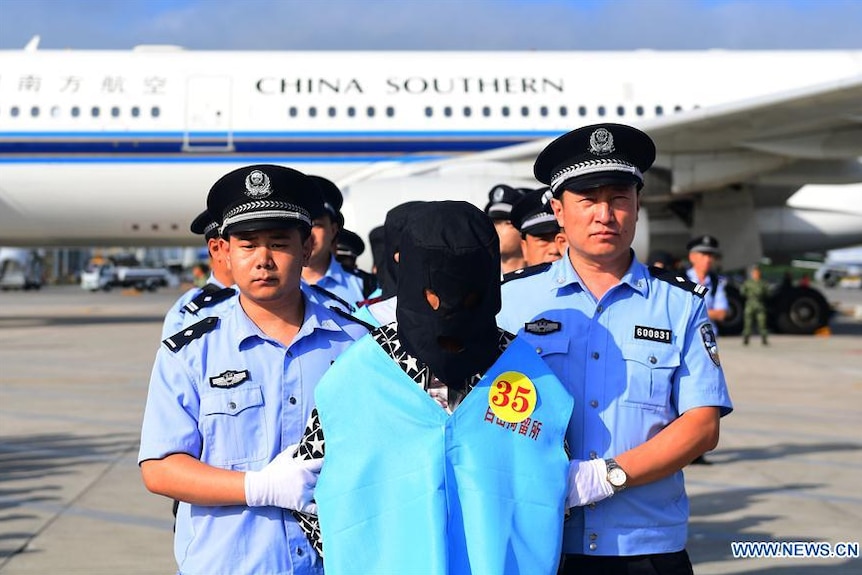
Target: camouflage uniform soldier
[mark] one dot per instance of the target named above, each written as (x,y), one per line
(755,292)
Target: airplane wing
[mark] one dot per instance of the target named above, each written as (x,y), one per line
(709,147)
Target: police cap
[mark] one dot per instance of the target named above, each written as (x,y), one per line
(704,245)
(332,199)
(205,225)
(349,244)
(533,214)
(263,196)
(501,198)
(594,156)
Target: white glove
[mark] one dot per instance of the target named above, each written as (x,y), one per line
(588,482)
(285,482)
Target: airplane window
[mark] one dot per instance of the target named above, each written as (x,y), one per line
(677,108)
(155,112)
(76,111)
(115,112)
(34,111)
(331,111)
(564,111)
(639,110)
(582,110)
(370,111)
(55,112)
(429,111)
(447,111)
(136,111)
(659,110)
(601,110)
(467,111)
(292,111)
(525,111)
(312,111)
(94,111)
(390,111)
(543,111)
(351,111)
(486,111)
(13,111)
(621,111)
(505,111)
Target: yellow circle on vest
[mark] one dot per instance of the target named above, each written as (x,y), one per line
(512,396)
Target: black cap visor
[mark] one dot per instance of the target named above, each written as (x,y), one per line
(590,181)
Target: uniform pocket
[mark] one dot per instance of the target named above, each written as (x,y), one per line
(234,426)
(649,371)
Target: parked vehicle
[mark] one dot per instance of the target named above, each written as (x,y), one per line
(107,275)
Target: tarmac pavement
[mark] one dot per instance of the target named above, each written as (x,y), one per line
(74,368)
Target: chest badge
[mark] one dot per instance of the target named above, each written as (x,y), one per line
(229,378)
(543,326)
(653,334)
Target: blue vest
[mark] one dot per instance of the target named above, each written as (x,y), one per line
(408,488)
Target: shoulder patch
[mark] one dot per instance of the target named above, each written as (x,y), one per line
(679,280)
(526,272)
(210,295)
(179,340)
(346,315)
(332,296)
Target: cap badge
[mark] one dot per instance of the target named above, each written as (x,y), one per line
(601,142)
(257,185)
(498,194)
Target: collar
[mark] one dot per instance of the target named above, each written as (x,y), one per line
(316,317)
(563,274)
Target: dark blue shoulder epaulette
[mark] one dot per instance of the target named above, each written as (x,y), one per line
(526,272)
(210,295)
(180,339)
(331,295)
(354,319)
(679,280)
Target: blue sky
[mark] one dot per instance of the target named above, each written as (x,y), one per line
(434,24)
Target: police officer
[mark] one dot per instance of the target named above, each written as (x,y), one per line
(231,393)
(534,218)
(468,414)
(199,302)
(348,247)
(703,251)
(755,291)
(635,348)
(323,269)
(501,199)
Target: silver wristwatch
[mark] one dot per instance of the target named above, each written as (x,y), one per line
(616,475)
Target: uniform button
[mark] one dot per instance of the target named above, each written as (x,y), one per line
(652,359)
(560,280)
(594,403)
(231,405)
(299,551)
(599,309)
(289,354)
(593,536)
(292,400)
(592,505)
(538,350)
(593,454)
(595,355)
(593,546)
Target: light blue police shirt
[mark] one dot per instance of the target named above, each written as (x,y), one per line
(235,398)
(633,361)
(716,297)
(178,318)
(342,283)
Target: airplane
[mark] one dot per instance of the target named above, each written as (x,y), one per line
(759,148)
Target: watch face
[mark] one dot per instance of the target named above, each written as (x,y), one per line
(617,477)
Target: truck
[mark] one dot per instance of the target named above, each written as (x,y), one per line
(791,309)
(107,275)
(20,269)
